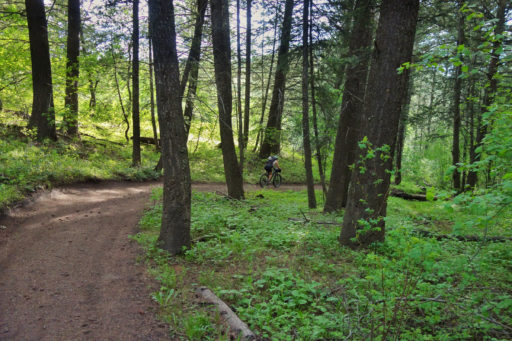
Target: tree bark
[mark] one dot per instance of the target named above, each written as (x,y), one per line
(191,70)
(239,89)
(318,145)
(305,107)
(272,138)
(193,63)
(43,114)
(125,115)
(222,66)
(247,108)
(191,94)
(363,222)
(490,90)
(92,92)
(264,94)
(195,47)
(72,68)
(135,84)
(152,93)
(400,139)
(456,104)
(238,330)
(348,132)
(175,231)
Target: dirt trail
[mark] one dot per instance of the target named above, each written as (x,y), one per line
(68,270)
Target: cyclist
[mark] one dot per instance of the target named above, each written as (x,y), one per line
(272,162)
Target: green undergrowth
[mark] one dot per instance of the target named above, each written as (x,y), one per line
(206,165)
(26,166)
(279,266)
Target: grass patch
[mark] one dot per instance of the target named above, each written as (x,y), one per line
(290,280)
(26,166)
(206,165)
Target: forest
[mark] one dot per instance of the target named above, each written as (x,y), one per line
(145,128)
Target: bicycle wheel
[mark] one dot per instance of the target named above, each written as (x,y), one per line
(263,180)
(277,180)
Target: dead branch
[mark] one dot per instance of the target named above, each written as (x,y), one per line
(236,326)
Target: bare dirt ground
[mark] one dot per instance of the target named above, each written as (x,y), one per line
(68,270)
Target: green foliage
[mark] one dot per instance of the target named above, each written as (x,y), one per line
(290,279)
(206,165)
(26,166)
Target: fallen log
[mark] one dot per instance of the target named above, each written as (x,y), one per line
(147,140)
(236,326)
(467,238)
(407,196)
(103,140)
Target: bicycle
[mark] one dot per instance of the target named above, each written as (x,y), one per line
(275,179)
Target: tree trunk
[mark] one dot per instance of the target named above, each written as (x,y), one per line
(470,152)
(264,94)
(192,89)
(363,222)
(135,84)
(305,107)
(456,105)
(490,90)
(272,138)
(351,108)
(152,93)
(247,109)
(195,47)
(92,92)
(239,89)
(125,115)
(43,114)
(400,140)
(191,70)
(222,65)
(318,145)
(175,230)
(72,69)
(193,60)
(93,83)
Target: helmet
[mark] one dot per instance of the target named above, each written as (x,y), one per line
(270,158)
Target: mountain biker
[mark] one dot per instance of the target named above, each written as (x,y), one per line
(272,163)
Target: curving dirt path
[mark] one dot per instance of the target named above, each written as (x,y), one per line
(68,270)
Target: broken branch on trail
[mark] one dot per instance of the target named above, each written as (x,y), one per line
(236,326)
